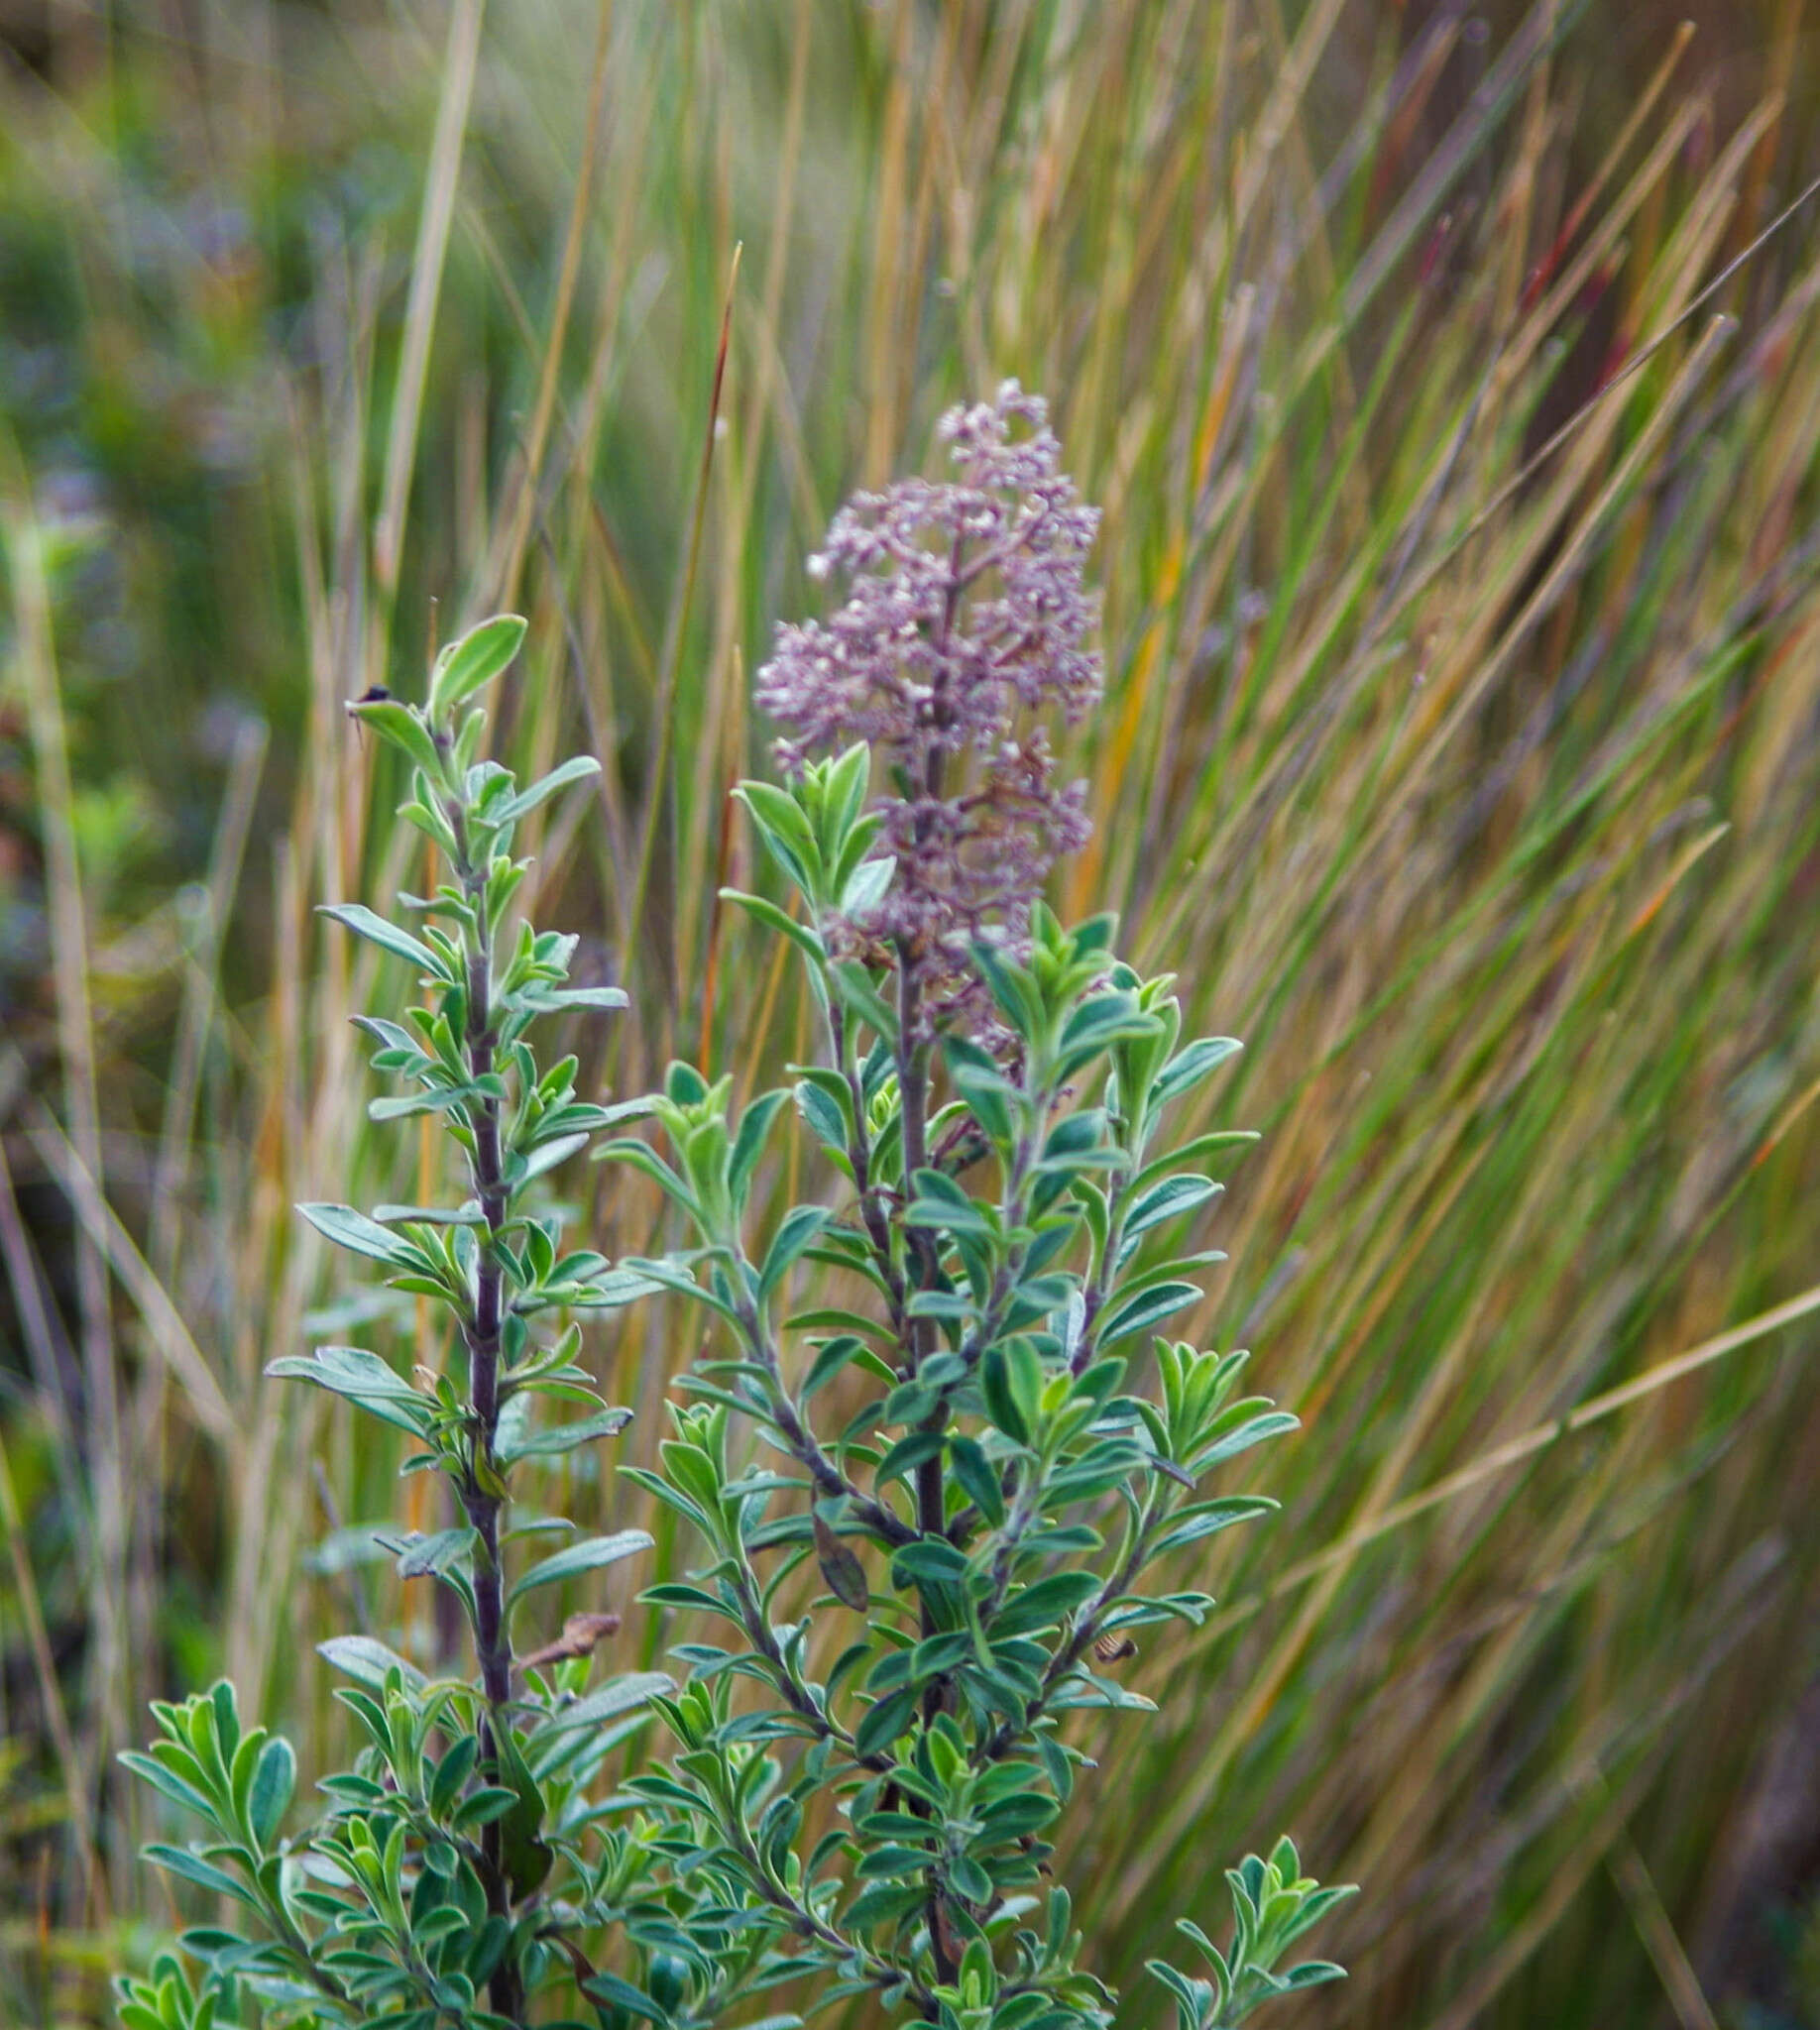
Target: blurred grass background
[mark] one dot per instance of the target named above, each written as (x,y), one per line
(1462,751)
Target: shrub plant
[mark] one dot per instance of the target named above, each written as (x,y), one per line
(974,1453)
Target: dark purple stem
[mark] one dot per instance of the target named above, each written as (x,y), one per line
(483,1334)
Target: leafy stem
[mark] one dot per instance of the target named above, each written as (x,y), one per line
(859,1161)
(480,1485)
(830,1481)
(930,1495)
(878,1972)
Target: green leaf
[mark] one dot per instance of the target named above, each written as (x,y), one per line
(866,886)
(781,920)
(1192,1151)
(1042,1604)
(845,779)
(581,1558)
(452,1773)
(929,1558)
(892,1858)
(977,1480)
(754,1125)
(674,1275)
(1193,1063)
(166,1782)
(619,1287)
(827,1118)
(882,1902)
(638,1110)
(831,1319)
(193,1868)
(1318,1904)
(882,1723)
(552,1000)
(797,1228)
(1014,1817)
(781,823)
(482,1806)
(1193,1998)
(469,1214)
(362,921)
(405,1106)
(473,660)
(565,1438)
(940,1203)
(1001,1403)
(274,1781)
(1168,1199)
(524,1854)
(399,727)
(940,1304)
(420,1556)
(547,1154)
(619,1695)
(354,1231)
(620,1994)
(908,1453)
(858,997)
(1252,1432)
(366,1662)
(1097,1023)
(363,1377)
(576,769)
(829,1360)
(1209,1519)
(1135,1314)
(642,1156)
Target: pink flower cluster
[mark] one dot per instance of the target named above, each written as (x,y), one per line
(961,642)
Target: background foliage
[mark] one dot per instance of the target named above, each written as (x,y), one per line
(1469,773)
